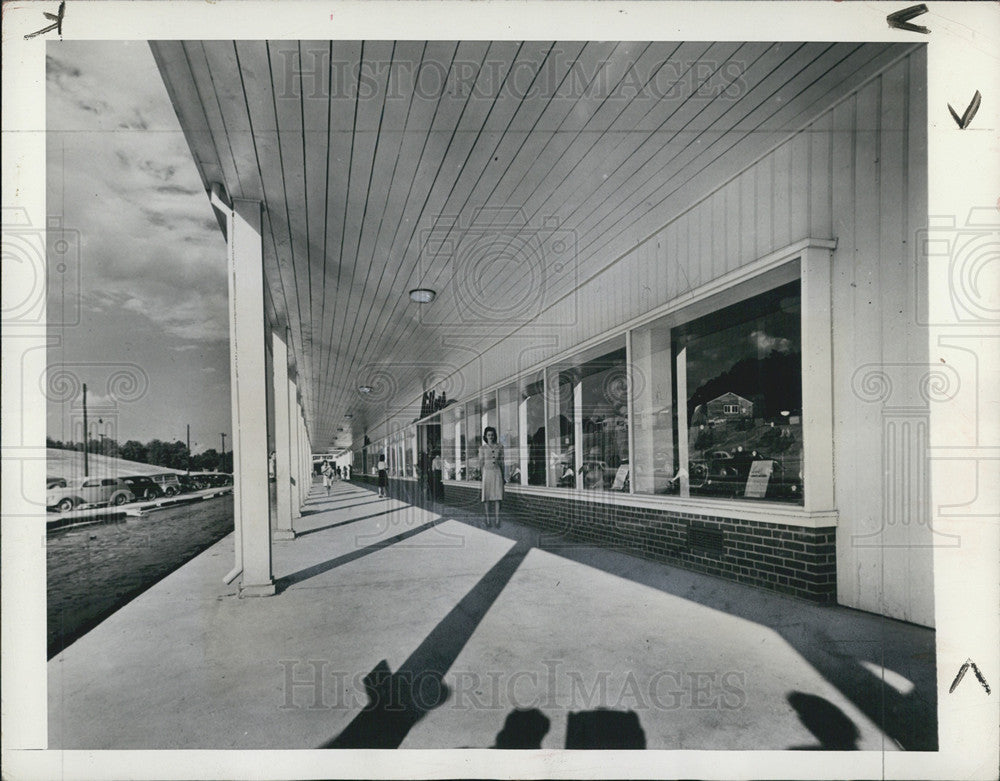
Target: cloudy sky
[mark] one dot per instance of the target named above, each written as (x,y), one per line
(137,300)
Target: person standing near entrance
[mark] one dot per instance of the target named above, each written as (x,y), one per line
(383,478)
(437,486)
(491,469)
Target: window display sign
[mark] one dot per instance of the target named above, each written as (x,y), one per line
(760,474)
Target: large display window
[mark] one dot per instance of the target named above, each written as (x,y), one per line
(488,404)
(531,422)
(588,419)
(410,453)
(451,424)
(473,436)
(603,427)
(508,420)
(560,389)
(731,425)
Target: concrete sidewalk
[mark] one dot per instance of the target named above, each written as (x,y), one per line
(398,626)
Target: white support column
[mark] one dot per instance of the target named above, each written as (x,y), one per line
(302,448)
(295,452)
(249,397)
(306,460)
(283,441)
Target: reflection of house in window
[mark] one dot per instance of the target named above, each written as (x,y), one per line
(729,406)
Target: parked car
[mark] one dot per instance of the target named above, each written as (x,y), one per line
(188,483)
(143,486)
(168,483)
(211,479)
(88,490)
(55,482)
(217,479)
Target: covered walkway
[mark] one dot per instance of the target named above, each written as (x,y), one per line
(395,625)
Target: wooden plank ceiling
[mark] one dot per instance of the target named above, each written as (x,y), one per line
(473,168)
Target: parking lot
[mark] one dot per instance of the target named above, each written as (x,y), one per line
(94,569)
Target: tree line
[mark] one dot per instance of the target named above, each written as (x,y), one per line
(173,455)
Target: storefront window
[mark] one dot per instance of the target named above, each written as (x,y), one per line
(452,442)
(473,436)
(603,413)
(488,404)
(507,426)
(531,425)
(428,443)
(410,445)
(561,388)
(731,425)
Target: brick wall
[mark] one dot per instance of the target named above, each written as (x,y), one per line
(790,559)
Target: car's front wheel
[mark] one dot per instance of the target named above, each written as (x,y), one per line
(65,505)
(119,500)
(171,491)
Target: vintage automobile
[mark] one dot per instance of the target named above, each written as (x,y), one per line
(88,490)
(188,483)
(143,486)
(211,479)
(168,483)
(723,473)
(728,477)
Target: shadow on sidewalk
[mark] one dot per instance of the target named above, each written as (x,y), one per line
(318,569)
(845,646)
(397,701)
(345,523)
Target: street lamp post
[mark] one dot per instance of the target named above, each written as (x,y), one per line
(223,455)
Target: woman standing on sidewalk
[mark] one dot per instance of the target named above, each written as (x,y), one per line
(383,478)
(491,468)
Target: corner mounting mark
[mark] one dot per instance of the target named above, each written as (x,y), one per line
(57,21)
(901,19)
(961,674)
(966,118)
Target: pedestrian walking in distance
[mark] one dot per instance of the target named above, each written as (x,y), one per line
(491,469)
(383,478)
(327,472)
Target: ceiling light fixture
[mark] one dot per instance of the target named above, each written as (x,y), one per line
(422,295)
(364,389)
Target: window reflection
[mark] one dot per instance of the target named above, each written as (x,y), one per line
(604,423)
(718,401)
(561,390)
(473,435)
(533,431)
(508,424)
